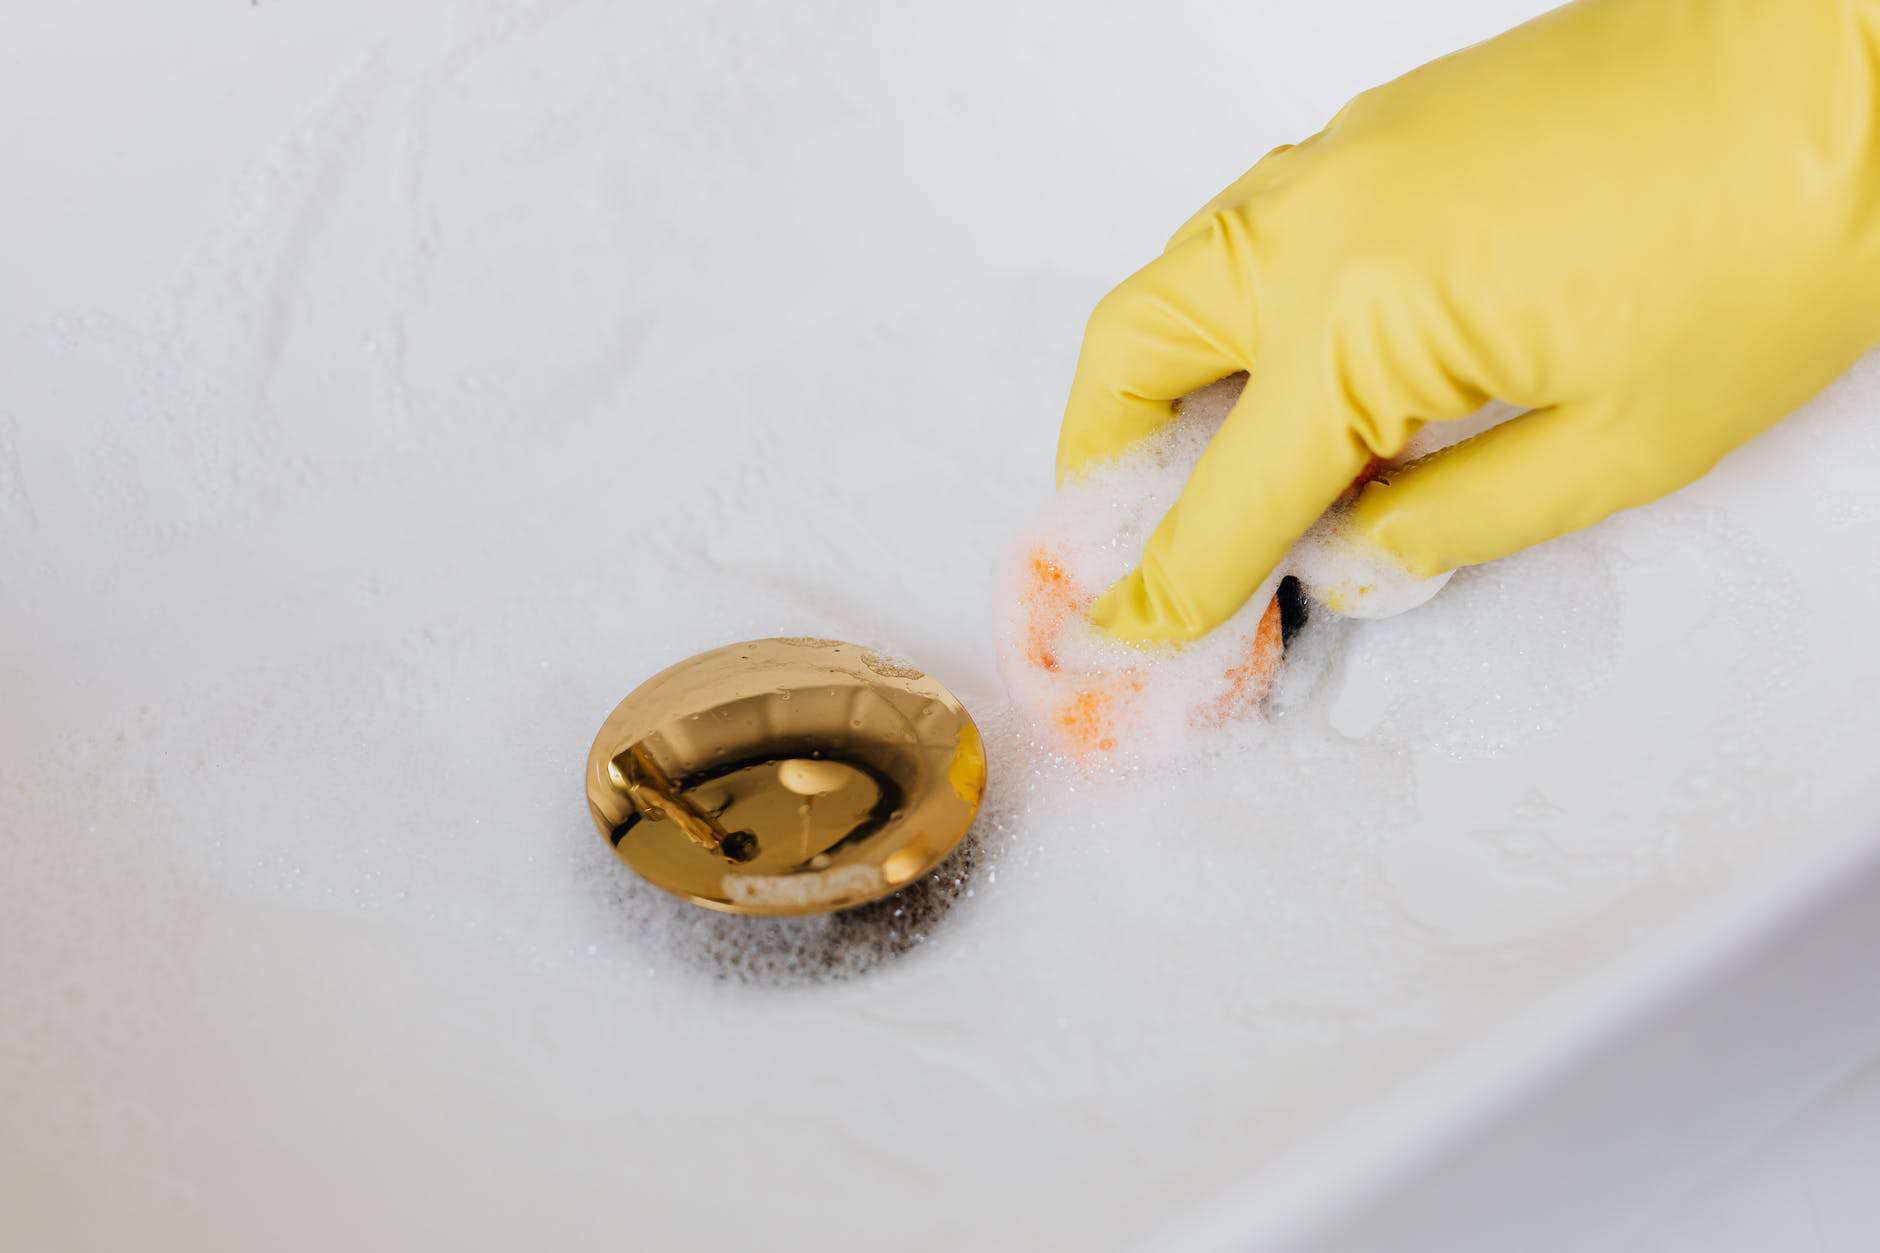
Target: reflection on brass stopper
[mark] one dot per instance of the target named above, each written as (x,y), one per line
(786,776)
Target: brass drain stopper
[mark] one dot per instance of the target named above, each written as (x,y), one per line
(785,776)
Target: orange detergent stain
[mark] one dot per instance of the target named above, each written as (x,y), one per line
(1248,681)
(1090,709)
(1089,719)
(1052,600)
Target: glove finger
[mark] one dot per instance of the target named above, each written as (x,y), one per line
(1179,323)
(1271,470)
(1538,476)
(1237,192)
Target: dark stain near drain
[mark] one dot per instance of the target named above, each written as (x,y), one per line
(740,846)
(820,949)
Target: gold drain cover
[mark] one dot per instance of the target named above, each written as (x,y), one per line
(785,776)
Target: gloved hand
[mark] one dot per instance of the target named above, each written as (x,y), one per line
(1653,223)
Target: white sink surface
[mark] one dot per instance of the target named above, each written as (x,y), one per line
(389,388)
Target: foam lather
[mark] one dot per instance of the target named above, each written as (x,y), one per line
(1092,695)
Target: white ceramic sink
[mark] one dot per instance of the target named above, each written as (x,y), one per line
(389,388)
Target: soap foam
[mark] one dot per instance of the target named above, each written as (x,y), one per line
(1098,696)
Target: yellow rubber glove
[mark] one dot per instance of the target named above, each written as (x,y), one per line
(1653,223)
